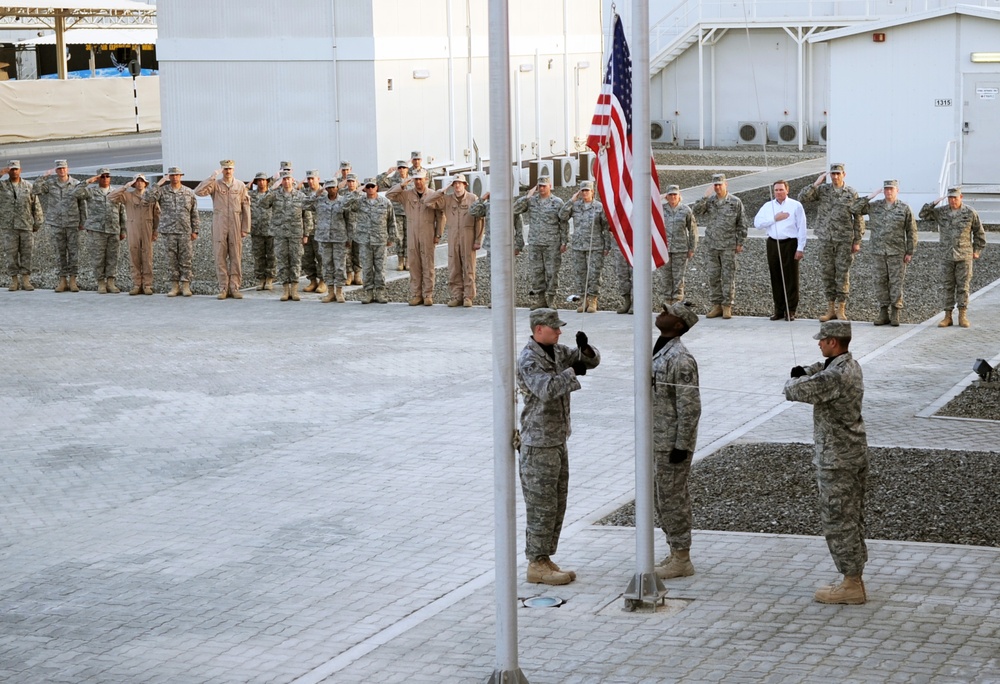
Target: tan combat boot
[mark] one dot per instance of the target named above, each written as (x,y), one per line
(261,284)
(350,278)
(453,302)
(357,278)
(268,283)
(400,265)
(591,304)
(112,287)
(830,314)
(174,289)
(428,301)
(552,564)
(293,292)
(842,311)
(136,290)
(311,287)
(416,301)
(340,294)
(61,287)
(235,293)
(28,287)
(715,311)
(186,289)
(539,572)
(467,303)
(583,305)
(222,294)
(284,293)
(321,287)
(626,305)
(677,564)
(15,284)
(850,592)
(946,321)
(330,296)
(102,286)
(147,289)
(73,286)
(883,316)
(963,320)
(727,311)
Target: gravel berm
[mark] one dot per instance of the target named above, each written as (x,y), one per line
(922,495)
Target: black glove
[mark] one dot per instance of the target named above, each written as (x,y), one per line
(581,340)
(579,368)
(798,372)
(678,456)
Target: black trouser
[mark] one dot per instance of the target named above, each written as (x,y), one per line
(784,274)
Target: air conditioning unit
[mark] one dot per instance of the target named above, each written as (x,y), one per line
(538,168)
(479,182)
(662,132)
(822,133)
(788,133)
(585,165)
(441,182)
(564,169)
(751,133)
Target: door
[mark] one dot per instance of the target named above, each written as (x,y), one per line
(980,133)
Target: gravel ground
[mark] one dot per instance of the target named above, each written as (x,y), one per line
(976,401)
(923,495)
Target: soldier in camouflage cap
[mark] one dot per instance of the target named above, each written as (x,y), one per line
(547,372)
(312,254)
(64,215)
(261,235)
(548,238)
(591,242)
(178,227)
(676,412)
(397,175)
(349,188)
(962,241)
(20,217)
(682,240)
(835,388)
(105,225)
(725,231)
(375,229)
(289,216)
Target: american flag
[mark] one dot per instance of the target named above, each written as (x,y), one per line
(611,139)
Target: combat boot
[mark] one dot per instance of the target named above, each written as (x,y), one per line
(28,287)
(222,294)
(311,287)
(583,305)
(340,294)
(262,284)
(136,290)
(400,266)
(321,287)
(677,564)
(539,572)
(626,305)
(367,296)
(591,304)
(73,286)
(428,301)
(851,592)
(963,320)
(293,292)
(350,278)
(102,286)
(830,314)
(552,564)
(235,293)
(331,295)
(61,287)
(406,264)
(883,316)
(147,289)
(381,296)
(112,287)
(15,284)
(894,317)
(454,301)
(284,292)
(174,289)
(268,283)
(946,321)
(842,311)
(727,311)
(357,278)
(416,301)
(715,311)
(467,303)
(186,289)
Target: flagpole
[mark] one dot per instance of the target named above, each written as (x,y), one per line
(507,670)
(645,589)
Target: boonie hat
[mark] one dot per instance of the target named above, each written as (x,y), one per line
(673,190)
(14,164)
(890,184)
(104,171)
(420,174)
(718,178)
(683,311)
(836,168)
(175,171)
(548,317)
(459,178)
(227,164)
(544,180)
(833,329)
(62,164)
(587,185)
(955,191)
(140,177)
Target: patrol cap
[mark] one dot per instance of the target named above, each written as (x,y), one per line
(890,183)
(345,166)
(285,165)
(260,175)
(833,329)
(718,178)
(351,177)
(140,177)
(62,164)
(14,164)
(416,154)
(544,180)
(402,164)
(330,184)
(175,171)
(372,182)
(547,317)
(587,185)
(312,173)
(673,190)
(683,311)
(227,164)
(459,178)
(286,173)
(955,191)
(837,168)
(104,171)
(420,174)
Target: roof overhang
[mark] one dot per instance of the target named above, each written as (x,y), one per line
(874,26)
(136,35)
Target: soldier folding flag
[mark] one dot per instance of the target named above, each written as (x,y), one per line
(611,139)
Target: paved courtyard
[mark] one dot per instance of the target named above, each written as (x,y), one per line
(204,491)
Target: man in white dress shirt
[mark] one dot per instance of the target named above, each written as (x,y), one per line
(785,222)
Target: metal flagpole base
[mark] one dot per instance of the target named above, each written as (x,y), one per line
(508,677)
(645,590)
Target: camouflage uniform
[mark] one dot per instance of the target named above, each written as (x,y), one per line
(961,236)
(289,216)
(386,181)
(64,215)
(682,237)
(105,224)
(545,383)
(547,236)
(481,209)
(376,226)
(178,222)
(331,217)
(838,229)
(261,237)
(590,242)
(427,226)
(725,230)
(893,236)
(835,388)
(624,273)
(20,216)
(354,251)
(465,232)
(676,412)
(312,255)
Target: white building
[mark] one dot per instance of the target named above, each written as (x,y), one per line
(317,81)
